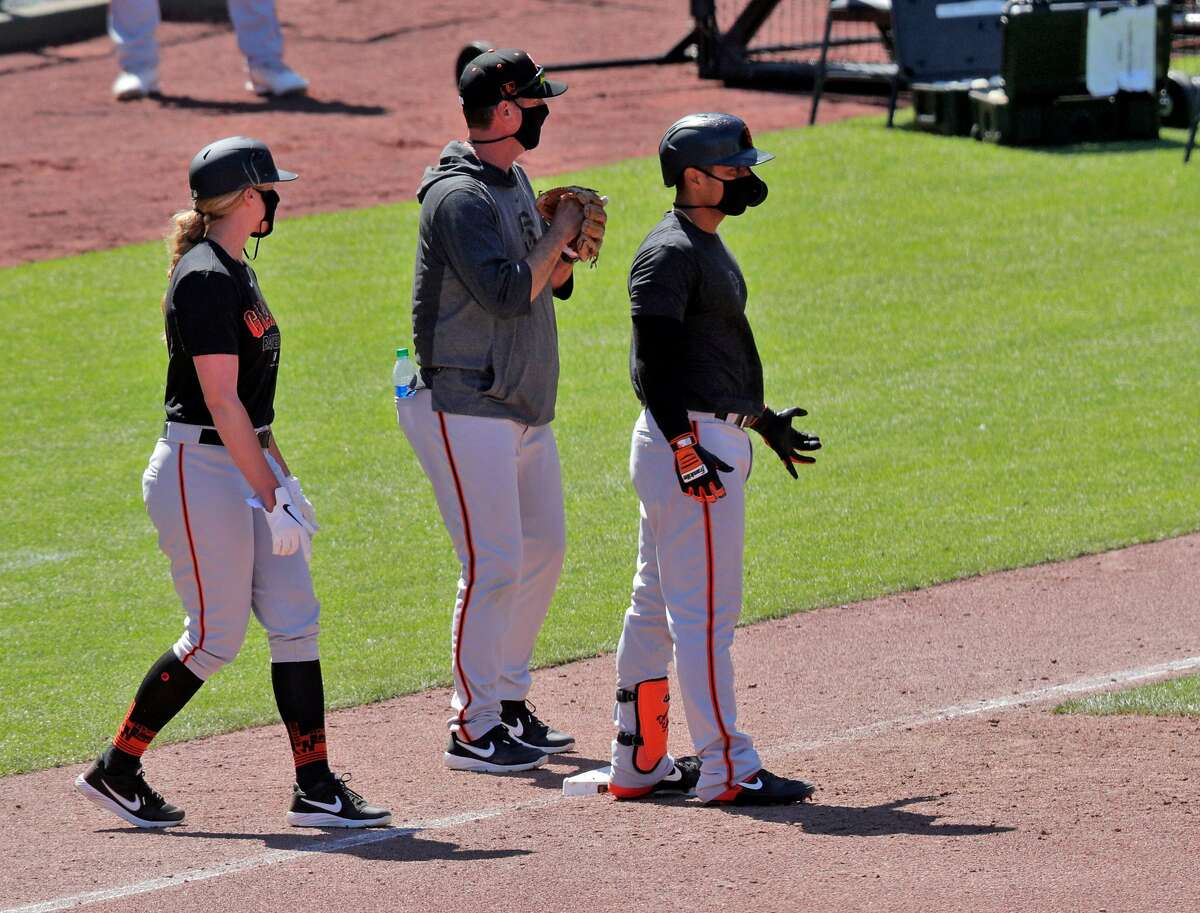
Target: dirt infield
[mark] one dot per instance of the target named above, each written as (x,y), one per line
(946,783)
(82,172)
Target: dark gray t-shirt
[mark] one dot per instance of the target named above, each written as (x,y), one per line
(484,348)
(689,275)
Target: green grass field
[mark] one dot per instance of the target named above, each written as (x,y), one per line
(1177,697)
(997,347)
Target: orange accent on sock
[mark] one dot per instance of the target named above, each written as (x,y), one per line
(133,738)
(307,747)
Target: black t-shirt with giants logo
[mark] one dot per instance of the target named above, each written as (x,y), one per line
(215,307)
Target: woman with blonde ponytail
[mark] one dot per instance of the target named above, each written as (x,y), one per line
(230,516)
(189,226)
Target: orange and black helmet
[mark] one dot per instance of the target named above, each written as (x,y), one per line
(704,140)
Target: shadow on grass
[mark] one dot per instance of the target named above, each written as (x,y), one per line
(870,821)
(1083,147)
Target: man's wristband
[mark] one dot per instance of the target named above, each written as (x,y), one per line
(687,439)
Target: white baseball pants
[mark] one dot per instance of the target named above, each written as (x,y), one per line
(687,597)
(221,561)
(499,490)
(132,24)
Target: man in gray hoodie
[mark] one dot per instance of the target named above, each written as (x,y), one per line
(487,270)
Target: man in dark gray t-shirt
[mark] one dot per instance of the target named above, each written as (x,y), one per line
(696,370)
(488,268)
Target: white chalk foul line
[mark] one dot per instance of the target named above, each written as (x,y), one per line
(275,857)
(989,705)
(366,838)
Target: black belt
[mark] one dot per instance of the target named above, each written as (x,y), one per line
(742,421)
(211,437)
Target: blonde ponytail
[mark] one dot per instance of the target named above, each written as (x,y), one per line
(190,226)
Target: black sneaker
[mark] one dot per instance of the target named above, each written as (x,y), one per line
(493,752)
(331,803)
(522,725)
(682,779)
(764,788)
(127,796)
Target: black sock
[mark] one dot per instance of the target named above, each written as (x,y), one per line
(165,690)
(300,696)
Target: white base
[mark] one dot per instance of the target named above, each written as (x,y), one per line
(588,783)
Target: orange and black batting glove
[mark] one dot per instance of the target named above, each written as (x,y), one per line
(696,470)
(787,442)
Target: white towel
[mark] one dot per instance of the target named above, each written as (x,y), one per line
(1120,50)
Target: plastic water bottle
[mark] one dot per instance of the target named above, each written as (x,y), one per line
(404,375)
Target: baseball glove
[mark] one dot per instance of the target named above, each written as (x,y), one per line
(586,245)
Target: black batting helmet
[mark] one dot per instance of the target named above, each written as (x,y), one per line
(703,140)
(233,163)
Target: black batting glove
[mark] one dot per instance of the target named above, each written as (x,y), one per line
(696,470)
(787,442)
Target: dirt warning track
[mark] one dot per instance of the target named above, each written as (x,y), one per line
(946,783)
(81,172)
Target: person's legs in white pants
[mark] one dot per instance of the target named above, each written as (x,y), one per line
(131,25)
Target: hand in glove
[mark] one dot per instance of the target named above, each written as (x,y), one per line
(593,219)
(299,500)
(776,429)
(697,470)
(289,529)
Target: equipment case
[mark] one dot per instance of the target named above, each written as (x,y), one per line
(1064,120)
(943,107)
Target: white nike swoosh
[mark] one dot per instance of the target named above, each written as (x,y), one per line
(756,783)
(517,730)
(133,806)
(335,806)
(674,776)
(491,749)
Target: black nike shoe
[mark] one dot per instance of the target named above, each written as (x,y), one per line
(331,803)
(764,788)
(522,725)
(127,796)
(682,779)
(494,752)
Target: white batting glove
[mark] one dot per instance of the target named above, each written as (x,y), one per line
(289,529)
(299,500)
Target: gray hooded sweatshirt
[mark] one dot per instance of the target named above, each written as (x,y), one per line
(483,347)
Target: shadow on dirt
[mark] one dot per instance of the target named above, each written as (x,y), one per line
(299,104)
(869,821)
(395,844)
(564,766)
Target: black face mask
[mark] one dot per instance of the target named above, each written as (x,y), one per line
(529,134)
(748,190)
(738,193)
(271,202)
